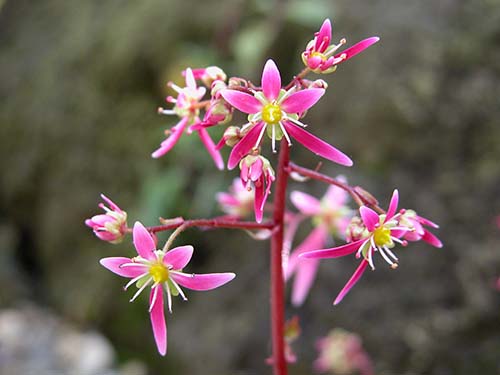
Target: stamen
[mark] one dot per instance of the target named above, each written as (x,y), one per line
(260,136)
(181,293)
(175,87)
(273,139)
(163,111)
(169,299)
(403,242)
(244,127)
(153,300)
(370,258)
(285,134)
(141,289)
(296,122)
(386,258)
(134,280)
(358,254)
(391,253)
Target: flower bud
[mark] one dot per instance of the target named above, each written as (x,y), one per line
(356,230)
(112,225)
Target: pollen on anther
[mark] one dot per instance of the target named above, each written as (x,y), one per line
(394,266)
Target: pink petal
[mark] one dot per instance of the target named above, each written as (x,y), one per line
(305,203)
(336,197)
(352,281)
(301,101)
(393,205)
(202,282)
(316,145)
(242,101)
(259,202)
(324,36)
(190,81)
(370,218)
(358,47)
(114,265)
(271,81)
(334,252)
(256,169)
(172,138)
(99,220)
(110,203)
(243,147)
(304,278)
(212,150)
(314,61)
(143,242)
(227,199)
(178,257)
(157,316)
(425,221)
(432,239)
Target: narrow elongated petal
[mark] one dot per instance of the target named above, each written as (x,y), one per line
(111,204)
(172,139)
(301,101)
(114,265)
(190,81)
(425,221)
(393,205)
(317,145)
(212,150)
(157,316)
(334,252)
(143,242)
(352,281)
(305,203)
(242,101)
(259,201)
(243,147)
(202,282)
(178,257)
(324,36)
(271,80)
(432,239)
(358,47)
(304,278)
(336,197)
(370,217)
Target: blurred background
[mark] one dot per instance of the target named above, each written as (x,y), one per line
(79,86)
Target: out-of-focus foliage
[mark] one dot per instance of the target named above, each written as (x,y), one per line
(79,87)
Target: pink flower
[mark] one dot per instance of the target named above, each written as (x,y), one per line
(256,172)
(110,226)
(187,107)
(417,230)
(238,202)
(161,271)
(208,75)
(382,231)
(320,56)
(341,352)
(277,111)
(330,216)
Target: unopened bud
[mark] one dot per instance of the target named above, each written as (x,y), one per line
(366,196)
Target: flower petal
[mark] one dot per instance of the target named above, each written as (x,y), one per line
(393,205)
(243,147)
(336,197)
(212,150)
(358,47)
(305,203)
(178,257)
(301,101)
(315,240)
(317,145)
(259,202)
(432,239)
(114,265)
(242,101)
(158,323)
(110,203)
(172,138)
(304,278)
(425,221)
(206,281)
(271,80)
(370,218)
(352,281)
(334,252)
(143,242)
(190,81)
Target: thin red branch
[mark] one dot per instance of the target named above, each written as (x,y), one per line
(277,281)
(212,223)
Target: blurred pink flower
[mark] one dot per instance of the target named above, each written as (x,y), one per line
(238,201)
(381,233)
(342,353)
(161,271)
(257,174)
(320,56)
(110,226)
(186,106)
(277,111)
(330,216)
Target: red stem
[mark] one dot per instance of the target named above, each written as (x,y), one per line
(277,281)
(212,223)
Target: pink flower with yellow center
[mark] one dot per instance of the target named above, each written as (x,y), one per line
(382,231)
(161,271)
(321,57)
(186,106)
(330,215)
(418,231)
(110,226)
(277,112)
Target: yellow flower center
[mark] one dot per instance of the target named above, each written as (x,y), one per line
(271,113)
(319,54)
(159,273)
(382,236)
